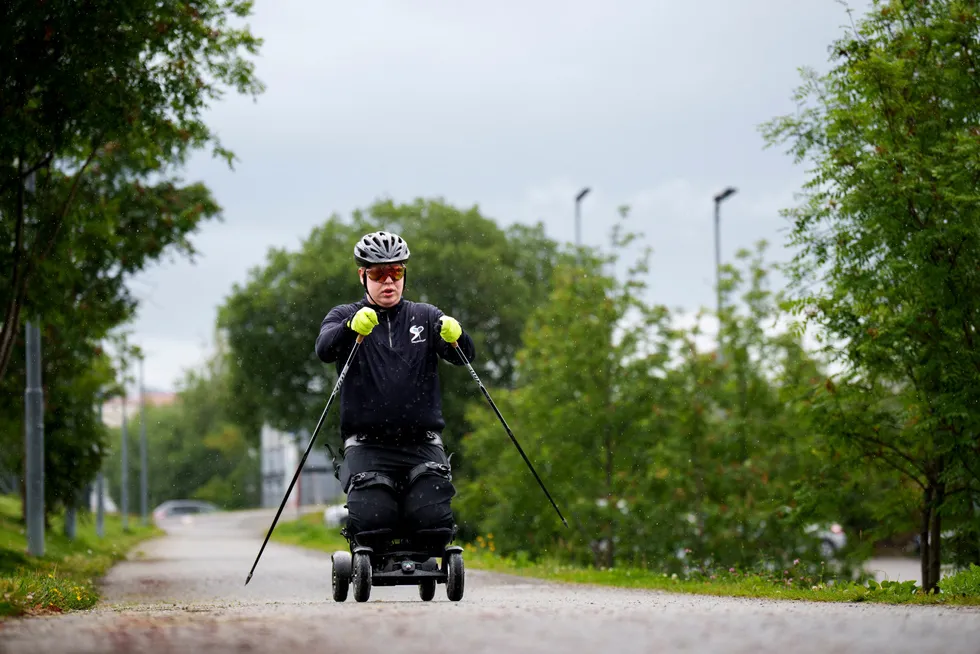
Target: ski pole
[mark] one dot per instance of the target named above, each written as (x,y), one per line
(469,367)
(340,380)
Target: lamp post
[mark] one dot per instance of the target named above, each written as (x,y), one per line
(124,455)
(144,470)
(33,425)
(100,484)
(578,215)
(719,198)
(34,443)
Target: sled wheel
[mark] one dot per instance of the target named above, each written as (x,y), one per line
(454,576)
(340,578)
(361,577)
(427,589)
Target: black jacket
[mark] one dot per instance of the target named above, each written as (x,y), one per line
(392,386)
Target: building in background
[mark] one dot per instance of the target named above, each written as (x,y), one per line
(108,503)
(112,410)
(281,454)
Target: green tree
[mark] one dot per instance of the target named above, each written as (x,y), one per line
(590,369)
(195,447)
(100,106)
(641,437)
(889,236)
(81,297)
(566,382)
(128,81)
(487,278)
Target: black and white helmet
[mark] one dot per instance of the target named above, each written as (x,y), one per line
(380,247)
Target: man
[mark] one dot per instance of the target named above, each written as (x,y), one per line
(395,470)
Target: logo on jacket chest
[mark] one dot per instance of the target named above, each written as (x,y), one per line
(416,332)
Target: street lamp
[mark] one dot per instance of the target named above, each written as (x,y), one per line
(719,198)
(578,215)
(144,470)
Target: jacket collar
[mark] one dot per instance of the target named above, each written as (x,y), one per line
(394,311)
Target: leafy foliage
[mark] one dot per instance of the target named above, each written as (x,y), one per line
(100,106)
(966,582)
(126,81)
(80,297)
(634,430)
(890,233)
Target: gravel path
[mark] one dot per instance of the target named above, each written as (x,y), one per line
(187,594)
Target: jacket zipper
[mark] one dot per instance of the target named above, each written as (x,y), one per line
(390,344)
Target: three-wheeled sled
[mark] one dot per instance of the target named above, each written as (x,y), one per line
(384,558)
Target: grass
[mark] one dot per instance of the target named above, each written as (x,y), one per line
(309,531)
(789,584)
(66,577)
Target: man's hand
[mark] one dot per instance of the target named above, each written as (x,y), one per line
(364,321)
(450,330)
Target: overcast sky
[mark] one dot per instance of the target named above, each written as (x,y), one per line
(510,105)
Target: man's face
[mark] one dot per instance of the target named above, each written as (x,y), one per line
(382,285)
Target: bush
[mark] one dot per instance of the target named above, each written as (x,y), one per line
(965,583)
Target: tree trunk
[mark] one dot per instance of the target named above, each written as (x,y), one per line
(935,558)
(924,540)
(930,536)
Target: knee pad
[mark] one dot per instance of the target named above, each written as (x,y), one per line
(429,490)
(372,503)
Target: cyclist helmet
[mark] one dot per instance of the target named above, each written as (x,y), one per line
(380,247)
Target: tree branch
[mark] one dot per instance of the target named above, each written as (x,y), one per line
(21,175)
(11,320)
(892,464)
(48,158)
(22,274)
(881,443)
(912,462)
(963,460)
(967,45)
(65,208)
(968,335)
(963,489)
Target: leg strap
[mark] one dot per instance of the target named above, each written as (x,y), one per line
(369,479)
(430,468)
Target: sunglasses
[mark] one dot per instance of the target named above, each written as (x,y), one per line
(378,273)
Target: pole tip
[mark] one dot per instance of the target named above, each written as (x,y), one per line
(248,579)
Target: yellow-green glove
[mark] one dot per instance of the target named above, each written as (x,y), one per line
(450,329)
(364,321)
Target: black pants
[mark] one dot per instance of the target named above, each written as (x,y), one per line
(406,489)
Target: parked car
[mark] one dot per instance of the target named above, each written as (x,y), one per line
(832,538)
(182,510)
(335,515)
